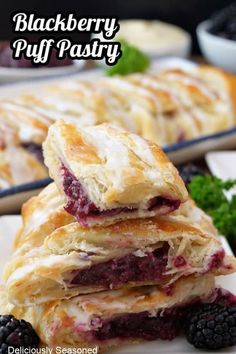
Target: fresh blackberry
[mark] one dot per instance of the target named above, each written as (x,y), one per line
(16,333)
(211,326)
(189,171)
(223,22)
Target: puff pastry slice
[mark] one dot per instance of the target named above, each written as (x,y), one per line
(116,317)
(72,260)
(108,174)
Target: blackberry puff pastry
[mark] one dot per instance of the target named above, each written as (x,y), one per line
(165,107)
(116,317)
(45,213)
(108,174)
(58,258)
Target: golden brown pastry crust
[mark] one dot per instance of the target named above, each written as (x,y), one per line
(57,322)
(165,107)
(44,213)
(115,168)
(224,83)
(51,244)
(41,215)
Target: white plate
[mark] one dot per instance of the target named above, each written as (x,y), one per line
(222,164)
(178,153)
(217,50)
(19,88)
(8,228)
(19,74)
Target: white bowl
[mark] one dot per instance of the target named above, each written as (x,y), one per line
(155,38)
(20,74)
(217,50)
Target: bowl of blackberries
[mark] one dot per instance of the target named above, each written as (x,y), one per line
(22,69)
(217,38)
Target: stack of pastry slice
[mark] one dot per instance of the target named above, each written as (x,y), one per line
(113,250)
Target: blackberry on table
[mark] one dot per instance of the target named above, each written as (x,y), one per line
(16,333)
(211,326)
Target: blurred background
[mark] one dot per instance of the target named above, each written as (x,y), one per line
(186,14)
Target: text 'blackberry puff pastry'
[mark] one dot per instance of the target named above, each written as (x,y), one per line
(69,260)
(116,317)
(108,174)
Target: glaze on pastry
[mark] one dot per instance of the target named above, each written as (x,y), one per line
(108,174)
(166,107)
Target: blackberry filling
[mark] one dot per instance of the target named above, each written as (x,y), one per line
(81,207)
(217,260)
(141,325)
(151,267)
(166,325)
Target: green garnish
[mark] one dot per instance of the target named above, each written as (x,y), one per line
(208,193)
(131,61)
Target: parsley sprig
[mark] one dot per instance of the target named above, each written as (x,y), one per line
(132,60)
(208,193)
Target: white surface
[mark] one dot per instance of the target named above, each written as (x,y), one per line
(217,50)
(222,164)
(19,74)
(8,228)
